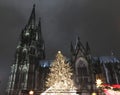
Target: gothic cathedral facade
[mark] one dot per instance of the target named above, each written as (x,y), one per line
(30,68)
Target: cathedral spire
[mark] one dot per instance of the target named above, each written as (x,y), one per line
(78,43)
(87,47)
(39,25)
(39,30)
(31,20)
(71,48)
(41,41)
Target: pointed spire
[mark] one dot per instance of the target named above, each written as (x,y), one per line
(71,48)
(87,47)
(112,53)
(77,42)
(39,27)
(78,38)
(39,22)
(39,38)
(31,20)
(39,30)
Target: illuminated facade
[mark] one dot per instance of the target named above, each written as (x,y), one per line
(30,68)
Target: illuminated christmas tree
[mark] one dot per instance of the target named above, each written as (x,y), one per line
(59,81)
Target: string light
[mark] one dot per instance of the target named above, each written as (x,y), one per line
(59,79)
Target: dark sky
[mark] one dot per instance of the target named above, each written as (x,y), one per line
(95,21)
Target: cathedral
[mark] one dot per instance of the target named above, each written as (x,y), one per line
(30,67)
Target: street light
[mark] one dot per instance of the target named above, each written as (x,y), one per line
(31,92)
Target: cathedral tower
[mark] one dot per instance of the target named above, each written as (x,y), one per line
(30,50)
(81,62)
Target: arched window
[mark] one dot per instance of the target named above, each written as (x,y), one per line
(23,76)
(81,67)
(82,72)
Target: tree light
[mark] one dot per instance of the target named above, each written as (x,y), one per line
(59,80)
(59,51)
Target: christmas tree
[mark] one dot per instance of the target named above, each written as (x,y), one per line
(59,81)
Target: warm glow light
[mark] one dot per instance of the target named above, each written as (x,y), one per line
(99,82)
(59,51)
(59,80)
(94,93)
(111,92)
(31,92)
(56,90)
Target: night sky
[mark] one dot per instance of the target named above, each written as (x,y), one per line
(95,21)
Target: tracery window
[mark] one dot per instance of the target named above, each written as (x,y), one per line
(82,71)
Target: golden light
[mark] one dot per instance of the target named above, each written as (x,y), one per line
(31,92)
(59,51)
(99,82)
(94,93)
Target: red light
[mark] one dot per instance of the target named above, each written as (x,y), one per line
(111,92)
